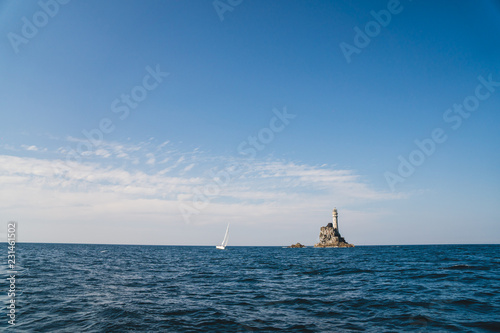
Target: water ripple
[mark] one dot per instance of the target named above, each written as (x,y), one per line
(105,288)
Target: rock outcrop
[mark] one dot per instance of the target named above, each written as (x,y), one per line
(298,245)
(329,236)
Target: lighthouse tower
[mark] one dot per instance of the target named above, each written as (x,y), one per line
(335,219)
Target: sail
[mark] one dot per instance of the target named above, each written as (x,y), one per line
(224,241)
(226,238)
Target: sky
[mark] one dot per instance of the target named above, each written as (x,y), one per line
(160,122)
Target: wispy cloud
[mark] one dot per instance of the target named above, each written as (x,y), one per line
(30,148)
(151,159)
(109,184)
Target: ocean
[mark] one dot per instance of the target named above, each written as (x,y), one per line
(126,288)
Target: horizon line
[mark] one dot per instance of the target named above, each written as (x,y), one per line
(308,246)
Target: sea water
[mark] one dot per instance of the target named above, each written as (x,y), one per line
(120,288)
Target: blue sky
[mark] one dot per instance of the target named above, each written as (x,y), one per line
(220,83)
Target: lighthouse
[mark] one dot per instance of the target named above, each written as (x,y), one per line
(329,236)
(335,219)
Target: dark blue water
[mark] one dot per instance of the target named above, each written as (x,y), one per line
(111,288)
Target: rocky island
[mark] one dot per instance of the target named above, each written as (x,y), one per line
(329,236)
(298,245)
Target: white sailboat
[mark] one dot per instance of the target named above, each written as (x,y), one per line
(224,241)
